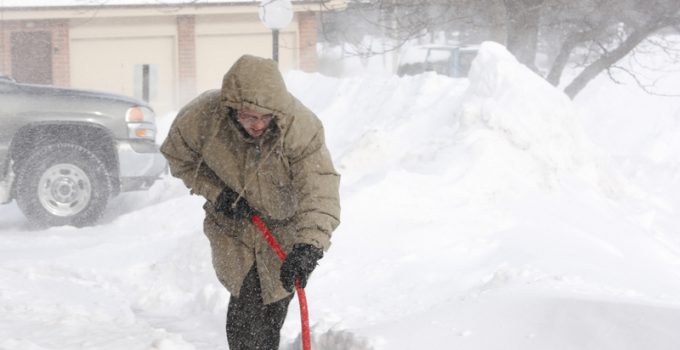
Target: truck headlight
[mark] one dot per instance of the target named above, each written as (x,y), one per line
(141,123)
(139,114)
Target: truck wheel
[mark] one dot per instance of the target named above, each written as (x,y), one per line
(62,184)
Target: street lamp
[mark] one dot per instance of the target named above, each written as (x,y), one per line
(275,14)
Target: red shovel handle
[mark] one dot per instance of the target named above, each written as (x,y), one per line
(302,298)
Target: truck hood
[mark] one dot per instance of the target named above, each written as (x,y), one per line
(79,94)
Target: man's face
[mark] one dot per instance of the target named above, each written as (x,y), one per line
(254,123)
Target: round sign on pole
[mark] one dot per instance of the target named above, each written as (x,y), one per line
(276,14)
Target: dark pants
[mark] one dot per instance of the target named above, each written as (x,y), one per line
(251,325)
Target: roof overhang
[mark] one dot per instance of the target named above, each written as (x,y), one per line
(60,10)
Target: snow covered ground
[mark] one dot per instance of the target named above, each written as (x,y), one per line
(489,213)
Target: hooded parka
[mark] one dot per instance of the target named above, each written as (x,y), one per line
(286,174)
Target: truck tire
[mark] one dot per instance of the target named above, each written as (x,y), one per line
(62,184)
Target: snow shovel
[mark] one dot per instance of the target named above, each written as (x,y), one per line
(302,299)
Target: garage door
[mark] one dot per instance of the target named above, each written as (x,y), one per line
(140,67)
(215,53)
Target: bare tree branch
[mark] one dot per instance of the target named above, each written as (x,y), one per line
(645,87)
(610,58)
(592,35)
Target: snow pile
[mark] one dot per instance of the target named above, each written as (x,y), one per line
(523,109)
(476,215)
(502,193)
(641,131)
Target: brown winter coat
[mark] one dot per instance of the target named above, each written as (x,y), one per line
(286,174)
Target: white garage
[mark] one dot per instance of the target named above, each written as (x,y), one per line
(221,40)
(165,53)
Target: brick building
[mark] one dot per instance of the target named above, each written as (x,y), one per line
(165,51)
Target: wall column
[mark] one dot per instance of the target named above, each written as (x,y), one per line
(61,57)
(307,23)
(186,49)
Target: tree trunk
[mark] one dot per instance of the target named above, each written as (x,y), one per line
(523,18)
(608,59)
(562,57)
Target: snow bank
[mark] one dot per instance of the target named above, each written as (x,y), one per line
(375,124)
(475,215)
(498,191)
(523,109)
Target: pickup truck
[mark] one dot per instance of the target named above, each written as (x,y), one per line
(64,152)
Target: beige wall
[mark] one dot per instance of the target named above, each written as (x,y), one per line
(98,48)
(109,64)
(221,40)
(104,53)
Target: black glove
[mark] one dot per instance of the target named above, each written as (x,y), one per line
(299,264)
(225,204)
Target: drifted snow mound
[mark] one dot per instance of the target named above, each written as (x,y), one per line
(666,144)
(375,124)
(521,128)
(507,97)
(505,130)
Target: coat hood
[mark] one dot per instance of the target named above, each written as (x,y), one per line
(256,84)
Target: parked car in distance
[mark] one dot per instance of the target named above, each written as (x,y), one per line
(452,61)
(64,152)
